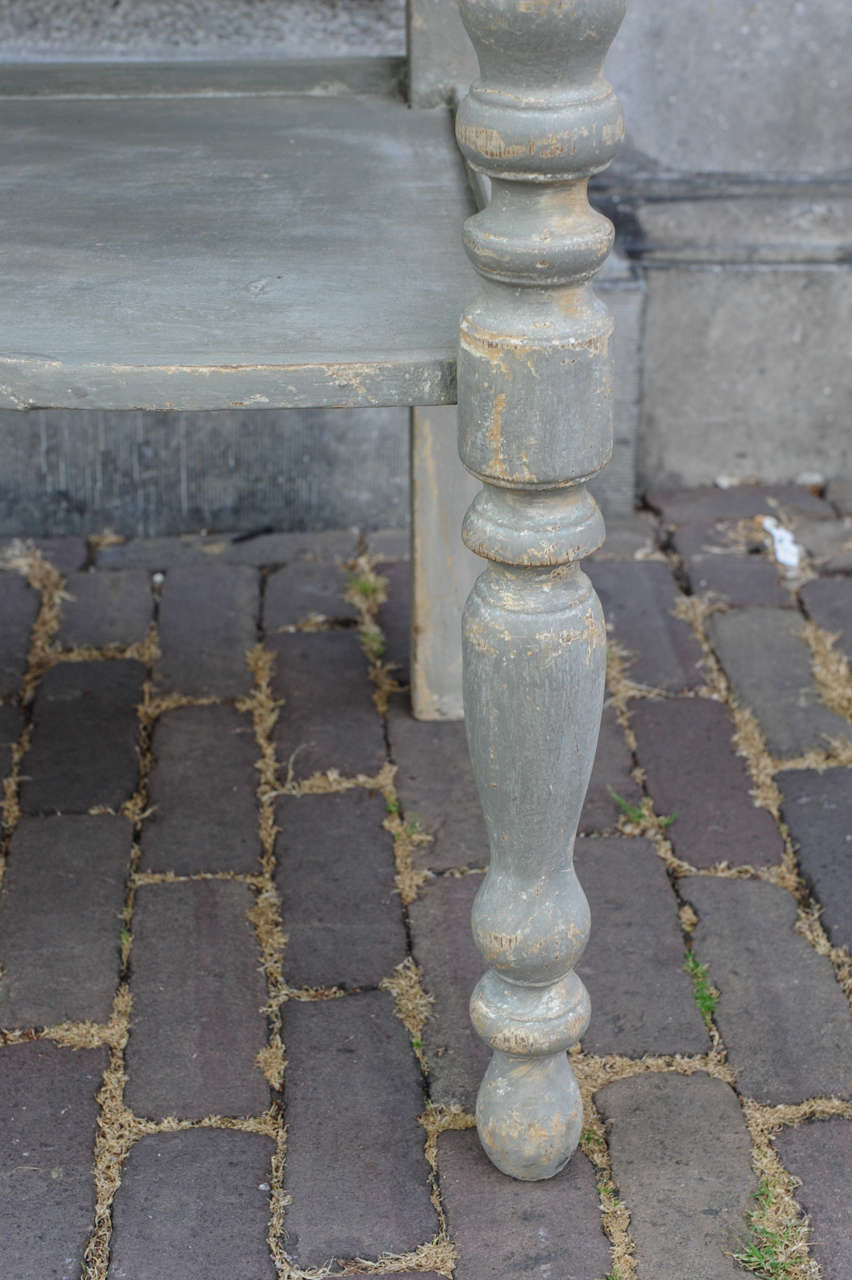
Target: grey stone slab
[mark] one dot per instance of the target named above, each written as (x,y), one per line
(435,783)
(329,719)
(684,746)
(65,554)
(783,416)
(781,1014)
(335,874)
(755,222)
(829,543)
(642,1000)
(443,946)
(818,811)
(103,609)
(638,599)
(502,1227)
(681,1161)
(11,724)
(301,305)
(752,96)
(48,1112)
(769,666)
(18,607)
(300,590)
(829,602)
(202,793)
(820,1154)
(611,772)
(355,1165)
(60,920)
(195,1205)
(84,745)
(197,997)
(208,622)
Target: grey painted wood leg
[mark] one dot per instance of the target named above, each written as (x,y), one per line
(535,390)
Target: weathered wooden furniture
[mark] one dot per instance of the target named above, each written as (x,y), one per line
(203,236)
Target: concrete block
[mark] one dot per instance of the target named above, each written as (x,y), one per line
(735,381)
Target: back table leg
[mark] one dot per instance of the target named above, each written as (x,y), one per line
(534,393)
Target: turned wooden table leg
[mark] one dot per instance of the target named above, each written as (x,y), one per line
(535,390)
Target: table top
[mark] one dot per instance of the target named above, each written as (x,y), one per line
(179,238)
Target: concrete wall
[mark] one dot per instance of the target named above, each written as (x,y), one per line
(200,28)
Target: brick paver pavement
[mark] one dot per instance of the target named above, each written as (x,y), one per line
(234,948)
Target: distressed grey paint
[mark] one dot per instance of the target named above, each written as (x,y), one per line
(535,422)
(443,571)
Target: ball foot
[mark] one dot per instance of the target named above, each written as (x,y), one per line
(529,1115)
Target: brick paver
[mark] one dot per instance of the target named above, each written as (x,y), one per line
(681,1160)
(335,875)
(329,719)
(818,811)
(738,580)
(197,995)
(505,1228)
(769,666)
(355,1180)
(353,1085)
(435,784)
(302,589)
(443,945)
(829,543)
(638,598)
(114,608)
(18,609)
(612,772)
(208,621)
(11,724)
(65,553)
(84,746)
(195,1205)
(60,918)
(202,793)
(692,773)
(47,1130)
(829,602)
(642,1000)
(395,618)
(780,1012)
(820,1154)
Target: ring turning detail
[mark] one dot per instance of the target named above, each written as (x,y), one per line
(535,395)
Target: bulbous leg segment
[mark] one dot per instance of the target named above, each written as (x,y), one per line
(529,1114)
